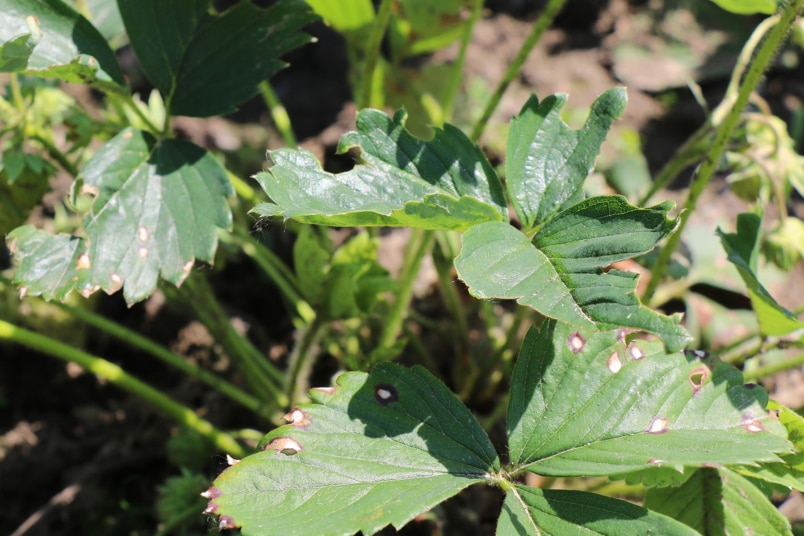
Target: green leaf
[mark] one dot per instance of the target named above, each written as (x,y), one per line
(742,250)
(23,182)
(559,273)
(48,38)
(719,501)
(350,18)
(422,26)
(532,511)
(547,162)
(379,448)
(748,7)
(587,403)
(790,471)
(183,47)
(157,208)
(311,254)
(445,183)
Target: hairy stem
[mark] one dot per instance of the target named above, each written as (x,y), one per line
(456,70)
(708,166)
(301,359)
(176,361)
(116,375)
(420,243)
(373,53)
(278,113)
(544,22)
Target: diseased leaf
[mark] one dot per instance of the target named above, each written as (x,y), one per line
(790,471)
(378,448)
(559,273)
(742,250)
(534,512)
(547,162)
(157,208)
(445,183)
(719,502)
(183,47)
(48,38)
(587,403)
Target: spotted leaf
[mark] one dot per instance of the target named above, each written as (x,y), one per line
(157,208)
(375,449)
(592,403)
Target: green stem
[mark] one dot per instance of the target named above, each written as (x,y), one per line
(116,375)
(713,155)
(275,269)
(16,94)
(443,258)
(768,370)
(243,190)
(165,355)
(301,359)
(418,246)
(456,71)
(56,154)
(373,53)
(129,101)
(278,113)
(544,22)
(262,376)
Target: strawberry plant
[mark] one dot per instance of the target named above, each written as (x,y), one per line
(603,385)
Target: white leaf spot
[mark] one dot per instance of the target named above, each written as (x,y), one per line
(636,352)
(576,342)
(613,363)
(142,234)
(83,262)
(142,252)
(658,425)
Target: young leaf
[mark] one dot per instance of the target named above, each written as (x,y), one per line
(445,183)
(742,249)
(157,208)
(183,47)
(48,38)
(585,403)
(719,501)
(378,448)
(534,512)
(559,273)
(547,162)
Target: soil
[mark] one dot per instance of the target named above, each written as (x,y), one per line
(78,456)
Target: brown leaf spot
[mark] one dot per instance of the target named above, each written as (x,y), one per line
(83,262)
(613,363)
(211,508)
(286,445)
(697,377)
(655,461)
(774,414)
(658,425)
(635,352)
(212,493)
(296,417)
(385,394)
(576,342)
(226,522)
(750,424)
(90,189)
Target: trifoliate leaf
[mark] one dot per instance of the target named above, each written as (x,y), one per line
(157,208)
(587,403)
(560,271)
(376,449)
(719,502)
(445,183)
(535,512)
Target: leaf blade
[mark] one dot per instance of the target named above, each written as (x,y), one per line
(388,445)
(648,408)
(446,183)
(532,511)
